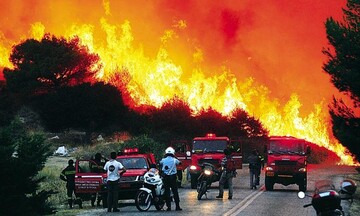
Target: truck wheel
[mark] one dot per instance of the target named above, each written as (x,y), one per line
(193,182)
(269,185)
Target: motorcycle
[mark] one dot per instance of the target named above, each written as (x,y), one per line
(152,192)
(326,200)
(208,175)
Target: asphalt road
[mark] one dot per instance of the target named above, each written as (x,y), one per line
(246,202)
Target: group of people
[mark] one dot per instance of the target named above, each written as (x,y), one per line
(168,165)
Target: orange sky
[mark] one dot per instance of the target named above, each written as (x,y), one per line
(276,42)
(264,56)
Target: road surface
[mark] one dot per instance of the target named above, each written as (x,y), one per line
(246,202)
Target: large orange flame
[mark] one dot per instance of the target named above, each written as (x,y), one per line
(262,56)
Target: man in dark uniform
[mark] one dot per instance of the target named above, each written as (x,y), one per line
(254,168)
(229,172)
(97,168)
(68,175)
(168,165)
(262,164)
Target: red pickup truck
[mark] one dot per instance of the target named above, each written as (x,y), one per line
(87,181)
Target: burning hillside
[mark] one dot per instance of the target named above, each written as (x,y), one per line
(262,56)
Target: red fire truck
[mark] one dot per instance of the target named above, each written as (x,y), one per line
(210,149)
(87,181)
(286,162)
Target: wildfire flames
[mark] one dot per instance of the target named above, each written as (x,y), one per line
(262,56)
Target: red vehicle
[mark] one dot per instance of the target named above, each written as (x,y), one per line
(286,162)
(137,164)
(210,149)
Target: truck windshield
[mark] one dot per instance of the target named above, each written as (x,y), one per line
(209,145)
(287,147)
(133,163)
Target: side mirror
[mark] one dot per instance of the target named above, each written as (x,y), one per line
(188,153)
(301,194)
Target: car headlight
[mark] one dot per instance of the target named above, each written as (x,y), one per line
(302,169)
(193,167)
(269,169)
(207,172)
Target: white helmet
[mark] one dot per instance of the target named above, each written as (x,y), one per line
(170,150)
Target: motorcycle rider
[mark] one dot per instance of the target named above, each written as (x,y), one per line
(68,175)
(227,175)
(168,165)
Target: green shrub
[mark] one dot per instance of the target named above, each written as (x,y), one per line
(144,143)
(25,154)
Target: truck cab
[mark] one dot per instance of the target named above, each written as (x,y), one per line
(91,177)
(210,149)
(286,162)
(136,164)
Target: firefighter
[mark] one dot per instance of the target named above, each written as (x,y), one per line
(229,172)
(68,175)
(97,168)
(168,167)
(254,168)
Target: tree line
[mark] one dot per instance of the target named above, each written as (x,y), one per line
(55,77)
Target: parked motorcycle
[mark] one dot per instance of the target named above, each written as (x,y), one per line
(152,193)
(326,200)
(208,175)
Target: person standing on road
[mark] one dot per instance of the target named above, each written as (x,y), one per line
(262,164)
(68,175)
(254,168)
(97,168)
(114,170)
(168,167)
(229,172)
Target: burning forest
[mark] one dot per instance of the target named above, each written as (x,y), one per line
(260,56)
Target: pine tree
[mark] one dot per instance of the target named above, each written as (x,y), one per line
(22,156)
(343,66)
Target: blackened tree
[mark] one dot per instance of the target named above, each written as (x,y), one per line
(343,66)
(211,121)
(46,65)
(245,126)
(22,157)
(91,107)
(173,120)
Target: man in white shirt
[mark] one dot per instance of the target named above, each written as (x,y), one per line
(114,170)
